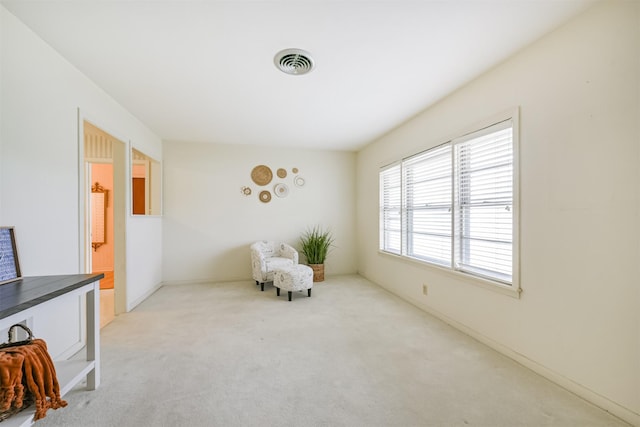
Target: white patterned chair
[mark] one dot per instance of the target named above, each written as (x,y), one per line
(267,256)
(296,278)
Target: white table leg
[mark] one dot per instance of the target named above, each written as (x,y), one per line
(93,335)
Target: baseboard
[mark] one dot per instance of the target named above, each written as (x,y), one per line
(133,304)
(186,282)
(201,281)
(585,393)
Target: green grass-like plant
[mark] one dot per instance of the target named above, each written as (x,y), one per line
(316,244)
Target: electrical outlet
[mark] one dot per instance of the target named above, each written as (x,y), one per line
(425,289)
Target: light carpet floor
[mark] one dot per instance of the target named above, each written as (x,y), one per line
(226,354)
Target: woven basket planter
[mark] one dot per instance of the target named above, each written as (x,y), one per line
(318,272)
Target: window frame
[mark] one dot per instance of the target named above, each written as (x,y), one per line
(512,288)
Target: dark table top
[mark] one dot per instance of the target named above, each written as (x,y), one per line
(28,292)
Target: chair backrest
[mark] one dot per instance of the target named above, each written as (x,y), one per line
(267,248)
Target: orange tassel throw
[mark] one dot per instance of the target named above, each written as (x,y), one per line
(26,367)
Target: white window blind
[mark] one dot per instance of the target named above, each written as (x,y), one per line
(427,178)
(391,209)
(483,216)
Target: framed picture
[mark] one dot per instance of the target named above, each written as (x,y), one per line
(9,265)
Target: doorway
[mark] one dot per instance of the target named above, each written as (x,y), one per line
(105,217)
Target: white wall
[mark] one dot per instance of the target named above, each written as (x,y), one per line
(41,95)
(578,318)
(144,258)
(209,224)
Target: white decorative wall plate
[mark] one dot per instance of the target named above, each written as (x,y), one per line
(281,190)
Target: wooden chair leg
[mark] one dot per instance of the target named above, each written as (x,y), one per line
(278,291)
(262,286)
(290,295)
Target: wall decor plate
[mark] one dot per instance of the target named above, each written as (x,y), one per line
(281,190)
(282,173)
(261,175)
(299,181)
(264,196)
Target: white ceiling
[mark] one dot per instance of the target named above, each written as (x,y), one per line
(203,71)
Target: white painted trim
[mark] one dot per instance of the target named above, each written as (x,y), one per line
(515,233)
(207,281)
(133,304)
(83,230)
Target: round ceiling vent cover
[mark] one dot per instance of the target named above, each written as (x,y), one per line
(294,61)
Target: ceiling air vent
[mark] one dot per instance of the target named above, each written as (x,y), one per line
(294,61)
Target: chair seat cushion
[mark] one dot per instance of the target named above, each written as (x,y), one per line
(275,263)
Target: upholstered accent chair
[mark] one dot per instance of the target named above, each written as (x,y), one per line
(266,257)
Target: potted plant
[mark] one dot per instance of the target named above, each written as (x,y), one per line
(315,245)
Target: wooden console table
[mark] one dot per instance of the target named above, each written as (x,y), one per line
(19,302)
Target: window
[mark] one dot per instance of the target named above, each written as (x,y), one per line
(483,216)
(453,205)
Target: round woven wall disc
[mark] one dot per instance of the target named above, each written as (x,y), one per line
(282,173)
(265,196)
(261,175)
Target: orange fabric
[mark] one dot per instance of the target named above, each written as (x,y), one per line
(38,374)
(11,389)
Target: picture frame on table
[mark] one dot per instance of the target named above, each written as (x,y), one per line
(9,263)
